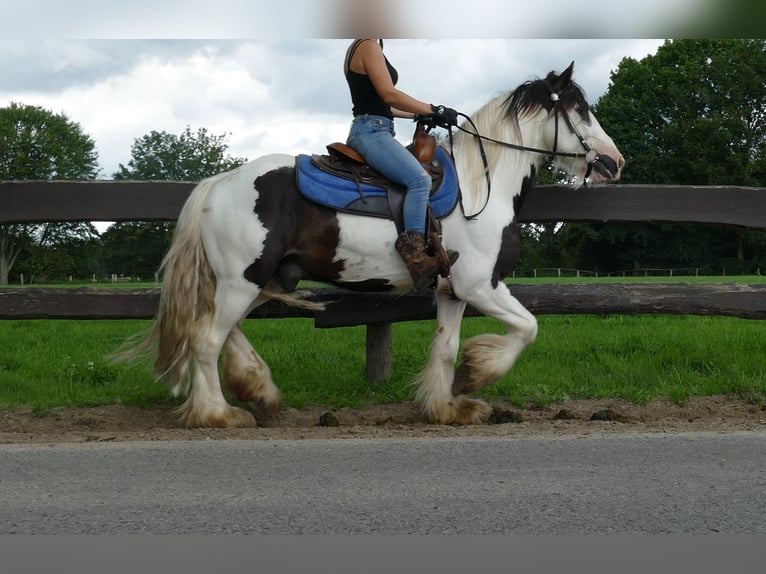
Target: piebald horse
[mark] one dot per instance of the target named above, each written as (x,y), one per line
(248,235)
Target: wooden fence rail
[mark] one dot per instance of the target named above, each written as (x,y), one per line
(42,201)
(45,201)
(349,308)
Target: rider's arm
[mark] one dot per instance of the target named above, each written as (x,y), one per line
(374,64)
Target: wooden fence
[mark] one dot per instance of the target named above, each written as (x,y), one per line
(45,201)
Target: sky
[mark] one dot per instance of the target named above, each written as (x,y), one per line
(271,95)
(268,73)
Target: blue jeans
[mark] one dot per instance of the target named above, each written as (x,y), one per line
(373,137)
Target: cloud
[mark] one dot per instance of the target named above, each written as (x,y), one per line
(48,65)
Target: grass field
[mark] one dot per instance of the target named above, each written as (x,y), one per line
(46,364)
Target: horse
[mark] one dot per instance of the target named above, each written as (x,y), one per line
(248,235)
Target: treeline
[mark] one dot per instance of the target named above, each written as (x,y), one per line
(57,251)
(135,249)
(692,114)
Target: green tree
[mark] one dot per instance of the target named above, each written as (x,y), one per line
(35,143)
(692,114)
(136,248)
(70,249)
(189,156)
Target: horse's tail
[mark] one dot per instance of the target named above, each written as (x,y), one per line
(186,298)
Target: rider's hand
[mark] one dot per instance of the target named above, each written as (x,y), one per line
(444,116)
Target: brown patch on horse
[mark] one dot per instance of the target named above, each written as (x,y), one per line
(510,242)
(302,239)
(302,236)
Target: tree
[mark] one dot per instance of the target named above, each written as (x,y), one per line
(186,157)
(69,249)
(137,248)
(37,144)
(693,114)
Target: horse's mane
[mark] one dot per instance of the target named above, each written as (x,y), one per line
(530,96)
(499,118)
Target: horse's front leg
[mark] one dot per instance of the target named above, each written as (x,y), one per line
(487,358)
(434,394)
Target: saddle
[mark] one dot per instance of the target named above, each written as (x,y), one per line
(346,163)
(343,180)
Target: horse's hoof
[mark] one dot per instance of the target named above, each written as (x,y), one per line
(264,408)
(461,411)
(227,417)
(472,412)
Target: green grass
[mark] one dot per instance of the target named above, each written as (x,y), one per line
(55,363)
(46,364)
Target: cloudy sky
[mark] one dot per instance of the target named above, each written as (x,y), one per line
(270,95)
(260,72)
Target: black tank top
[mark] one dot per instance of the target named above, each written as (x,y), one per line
(363,94)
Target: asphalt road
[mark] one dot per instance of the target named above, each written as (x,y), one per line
(650,483)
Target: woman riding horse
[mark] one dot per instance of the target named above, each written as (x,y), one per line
(372,81)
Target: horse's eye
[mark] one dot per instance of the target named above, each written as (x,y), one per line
(583,111)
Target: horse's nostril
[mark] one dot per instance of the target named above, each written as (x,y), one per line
(606,166)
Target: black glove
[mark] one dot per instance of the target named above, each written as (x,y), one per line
(444,116)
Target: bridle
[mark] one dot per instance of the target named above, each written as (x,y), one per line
(590,155)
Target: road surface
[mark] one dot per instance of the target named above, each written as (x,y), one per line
(640,483)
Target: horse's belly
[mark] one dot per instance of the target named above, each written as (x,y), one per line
(366,249)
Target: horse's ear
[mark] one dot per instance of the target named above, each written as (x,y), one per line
(566,75)
(562,80)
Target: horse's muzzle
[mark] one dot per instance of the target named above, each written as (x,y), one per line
(606,167)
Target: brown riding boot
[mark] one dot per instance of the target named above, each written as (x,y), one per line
(423,268)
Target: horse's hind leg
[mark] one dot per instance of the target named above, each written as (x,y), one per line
(247,375)
(434,394)
(206,405)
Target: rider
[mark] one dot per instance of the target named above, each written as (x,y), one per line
(372,79)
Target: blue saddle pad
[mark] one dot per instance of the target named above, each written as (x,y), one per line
(342,194)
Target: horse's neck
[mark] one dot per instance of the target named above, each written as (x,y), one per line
(507,167)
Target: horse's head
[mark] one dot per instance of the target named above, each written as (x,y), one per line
(570,131)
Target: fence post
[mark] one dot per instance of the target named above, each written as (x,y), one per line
(379,350)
